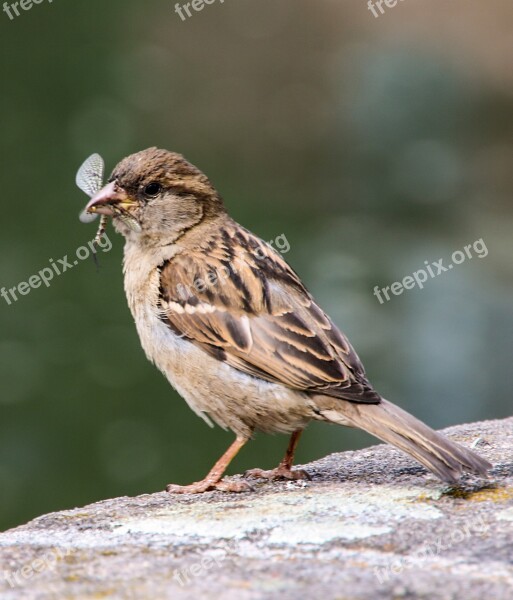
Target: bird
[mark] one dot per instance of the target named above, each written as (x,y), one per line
(236,332)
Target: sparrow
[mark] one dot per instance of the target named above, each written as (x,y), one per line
(234,329)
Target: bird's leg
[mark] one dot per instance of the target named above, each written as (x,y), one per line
(213,480)
(284,469)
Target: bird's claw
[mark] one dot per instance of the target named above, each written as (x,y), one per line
(208,486)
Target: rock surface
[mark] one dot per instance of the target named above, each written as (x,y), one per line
(371,524)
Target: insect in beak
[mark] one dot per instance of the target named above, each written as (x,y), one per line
(107,201)
(89,179)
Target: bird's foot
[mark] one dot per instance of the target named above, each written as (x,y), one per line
(207,485)
(281,472)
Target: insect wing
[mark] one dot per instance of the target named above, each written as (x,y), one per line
(90,180)
(90,175)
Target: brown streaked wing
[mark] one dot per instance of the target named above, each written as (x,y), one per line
(239,301)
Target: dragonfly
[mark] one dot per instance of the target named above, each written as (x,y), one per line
(89,179)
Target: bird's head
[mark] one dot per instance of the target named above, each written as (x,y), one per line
(157,195)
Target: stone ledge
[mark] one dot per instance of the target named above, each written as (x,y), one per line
(370,524)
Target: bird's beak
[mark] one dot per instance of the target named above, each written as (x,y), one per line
(109,200)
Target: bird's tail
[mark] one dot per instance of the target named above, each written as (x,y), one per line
(392,424)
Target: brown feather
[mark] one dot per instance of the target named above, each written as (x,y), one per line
(237,299)
(392,424)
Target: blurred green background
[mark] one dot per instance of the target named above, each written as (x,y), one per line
(373,144)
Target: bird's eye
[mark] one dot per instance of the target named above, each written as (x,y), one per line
(152,190)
